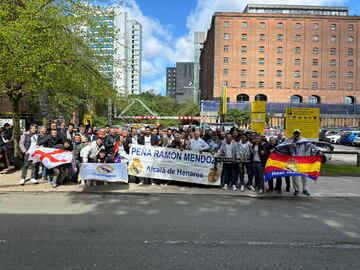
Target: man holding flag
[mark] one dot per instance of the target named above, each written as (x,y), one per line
(301,147)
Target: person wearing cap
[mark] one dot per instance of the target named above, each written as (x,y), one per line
(300,147)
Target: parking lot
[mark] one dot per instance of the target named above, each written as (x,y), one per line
(344,159)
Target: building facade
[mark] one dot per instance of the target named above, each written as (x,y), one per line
(199,38)
(184,81)
(171,82)
(298,54)
(123,46)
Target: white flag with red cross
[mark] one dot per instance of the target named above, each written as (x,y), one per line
(50,157)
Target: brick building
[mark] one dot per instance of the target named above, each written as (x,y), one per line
(278,53)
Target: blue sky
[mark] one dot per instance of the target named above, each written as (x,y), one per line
(168,27)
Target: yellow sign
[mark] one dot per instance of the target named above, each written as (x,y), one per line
(257,117)
(258,106)
(87,119)
(223,108)
(307,120)
(258,127)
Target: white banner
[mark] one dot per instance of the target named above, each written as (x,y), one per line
(110,172)
(172,164)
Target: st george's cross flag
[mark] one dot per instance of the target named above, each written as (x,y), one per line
(50,157)
(279,165)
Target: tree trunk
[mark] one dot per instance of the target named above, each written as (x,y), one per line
(15,102)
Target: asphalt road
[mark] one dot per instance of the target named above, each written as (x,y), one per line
(89,231)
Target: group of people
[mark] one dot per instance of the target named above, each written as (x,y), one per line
(106,145)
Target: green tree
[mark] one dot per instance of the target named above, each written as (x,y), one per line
(237,116)
(45,49)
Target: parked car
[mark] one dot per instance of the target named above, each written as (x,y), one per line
(348,137)
(324,145)
(356,141)
(334,138)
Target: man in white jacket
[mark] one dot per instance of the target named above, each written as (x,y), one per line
(89,152)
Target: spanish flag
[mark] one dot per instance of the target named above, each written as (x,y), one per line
(279,165)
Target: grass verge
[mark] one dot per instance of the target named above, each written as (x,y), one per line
(339,170)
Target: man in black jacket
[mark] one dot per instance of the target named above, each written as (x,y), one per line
(110,142)
(148,139)
(51,140)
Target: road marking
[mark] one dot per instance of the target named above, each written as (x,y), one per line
(266,244)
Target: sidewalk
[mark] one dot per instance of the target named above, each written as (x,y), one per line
(324,187)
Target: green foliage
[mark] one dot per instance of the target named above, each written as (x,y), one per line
(237,116)
(268,117)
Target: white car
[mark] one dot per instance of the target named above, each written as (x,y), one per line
(334,138)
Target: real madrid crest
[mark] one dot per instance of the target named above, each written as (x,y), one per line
(291,165)
(135,166)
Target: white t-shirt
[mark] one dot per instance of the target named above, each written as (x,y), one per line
(134,141)
(147,141)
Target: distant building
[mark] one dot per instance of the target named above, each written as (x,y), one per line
(123,45)
(283,53)
(171,82)
(199,38)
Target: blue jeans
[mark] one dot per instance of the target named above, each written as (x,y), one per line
(258,170)
(230,174)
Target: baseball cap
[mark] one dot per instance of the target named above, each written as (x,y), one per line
(296,131)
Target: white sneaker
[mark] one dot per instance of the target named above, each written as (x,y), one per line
(225,187)
(261,191)
(153,184)
(242,188)
(252,187)
(34,181)
(234,188)
(22,182)
(165,185)
(140,183)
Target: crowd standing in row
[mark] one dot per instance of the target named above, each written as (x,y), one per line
(105,145)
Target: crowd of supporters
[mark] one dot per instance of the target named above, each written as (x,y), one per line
(249,151)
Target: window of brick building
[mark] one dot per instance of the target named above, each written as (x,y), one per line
(226,36)
(350,63)
(297,38)
(262,25)
(244,37)
(279,61)
(315,50)
(315,74)
(243,84)
(297,74)
(244,25)
(226,72)
(262,37)
(226,24)
(243,60)
(280,37)
(243,73)
(279,73)
(332,86)
(261,49)
(297,50)
(316,26)
(298,26)
(261,61)
(333,39)
(261,73)
(315,62)
(297,62)
(243,49)
(279,50)
(333,27)
(350,51)
(278,85)
(350,39)
(226,83)
(314,85)
(332,74)
(226,60)
(349,86)
(296,99)
(333,62)
(226,48)
(261,84)
(296,85)
(315,38)
(350,27)
(280,25)
(349,74)
(333,51)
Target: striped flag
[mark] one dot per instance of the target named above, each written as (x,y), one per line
(279,165)
(50,157)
